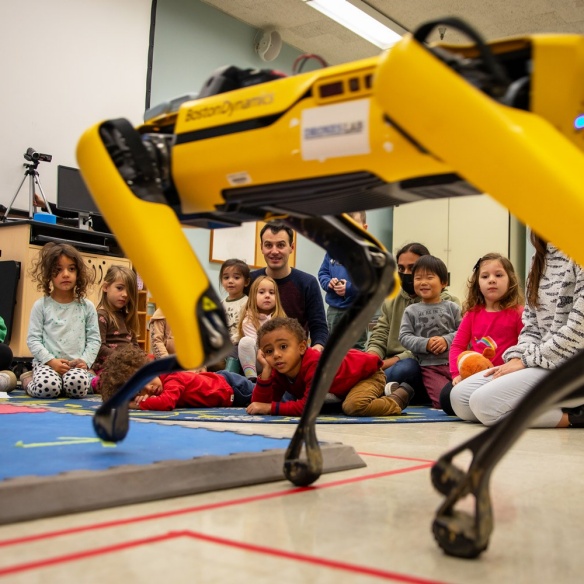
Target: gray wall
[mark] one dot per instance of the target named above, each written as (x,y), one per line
(192,40)
(66,65)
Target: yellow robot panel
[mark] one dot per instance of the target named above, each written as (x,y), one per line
(518,157)
(165,261)
(314,125)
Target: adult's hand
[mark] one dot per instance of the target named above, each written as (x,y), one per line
(387,363)
(509,367)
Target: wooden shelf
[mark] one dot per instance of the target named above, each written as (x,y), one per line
(143,319)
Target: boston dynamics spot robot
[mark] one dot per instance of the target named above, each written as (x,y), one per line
(504,118)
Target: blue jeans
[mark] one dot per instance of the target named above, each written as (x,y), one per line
(242,388)
(409,370)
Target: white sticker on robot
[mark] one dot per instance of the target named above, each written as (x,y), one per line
(332,131)
(237,179)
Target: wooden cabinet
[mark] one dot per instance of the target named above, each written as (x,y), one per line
(22,241)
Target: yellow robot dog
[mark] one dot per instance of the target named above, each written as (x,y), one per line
(417,122)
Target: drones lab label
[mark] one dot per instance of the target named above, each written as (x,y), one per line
(332,131)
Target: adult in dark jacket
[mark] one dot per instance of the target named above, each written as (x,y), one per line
(299,292)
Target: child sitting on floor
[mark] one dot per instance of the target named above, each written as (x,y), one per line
(117,314)
(161,337)
(288,365)
(181,389)
(428,327)
(263,303)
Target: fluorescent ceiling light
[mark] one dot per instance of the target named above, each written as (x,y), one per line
(361,19)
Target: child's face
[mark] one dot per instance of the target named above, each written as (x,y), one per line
(283,351)
(233,282)
(64,275)
(493,282)
(266,297)
(428,286)
(153,387)
(116,294)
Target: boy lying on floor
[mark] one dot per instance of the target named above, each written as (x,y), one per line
(183,389)
(289,366)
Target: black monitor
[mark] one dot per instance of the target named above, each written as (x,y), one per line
(73,195)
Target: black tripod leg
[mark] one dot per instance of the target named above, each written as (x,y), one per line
(459,533)
(372,272)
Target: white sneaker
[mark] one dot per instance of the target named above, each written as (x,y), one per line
(25,379)
(391,387)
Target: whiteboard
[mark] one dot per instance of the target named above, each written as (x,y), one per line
(234,242)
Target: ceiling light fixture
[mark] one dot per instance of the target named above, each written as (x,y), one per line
(361,19)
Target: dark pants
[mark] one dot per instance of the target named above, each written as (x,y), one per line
(409,370)
(5,356)
(445,399)
(333,317)
(242,388)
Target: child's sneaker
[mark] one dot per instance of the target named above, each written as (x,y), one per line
(390,387)
(25,379)
(402,393)
(7,381)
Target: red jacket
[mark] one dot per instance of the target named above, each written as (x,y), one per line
(186,389)
(356,366)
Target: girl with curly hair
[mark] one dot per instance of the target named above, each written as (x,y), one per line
(63,334)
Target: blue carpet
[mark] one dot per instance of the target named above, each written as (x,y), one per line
(48,443)
(414,414)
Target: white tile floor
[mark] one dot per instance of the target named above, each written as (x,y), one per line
(365,525)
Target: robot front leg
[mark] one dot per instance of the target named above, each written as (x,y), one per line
(459,533)
(372,272)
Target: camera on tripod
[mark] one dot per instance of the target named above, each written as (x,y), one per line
(34,156)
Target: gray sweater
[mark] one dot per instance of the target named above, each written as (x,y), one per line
(422,321)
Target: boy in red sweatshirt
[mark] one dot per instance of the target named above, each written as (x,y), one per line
(182,389)
(289,366)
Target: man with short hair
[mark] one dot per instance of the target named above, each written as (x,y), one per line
(299,291)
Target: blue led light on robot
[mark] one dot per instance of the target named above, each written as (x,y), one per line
(579,122)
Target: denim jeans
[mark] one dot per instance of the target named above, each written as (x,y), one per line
(242,388)
(409,370)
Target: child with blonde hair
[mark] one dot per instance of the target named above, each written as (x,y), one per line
(262,305)
(63,334)
(493,309)
(117,313)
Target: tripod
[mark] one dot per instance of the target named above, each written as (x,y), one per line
(33,178)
